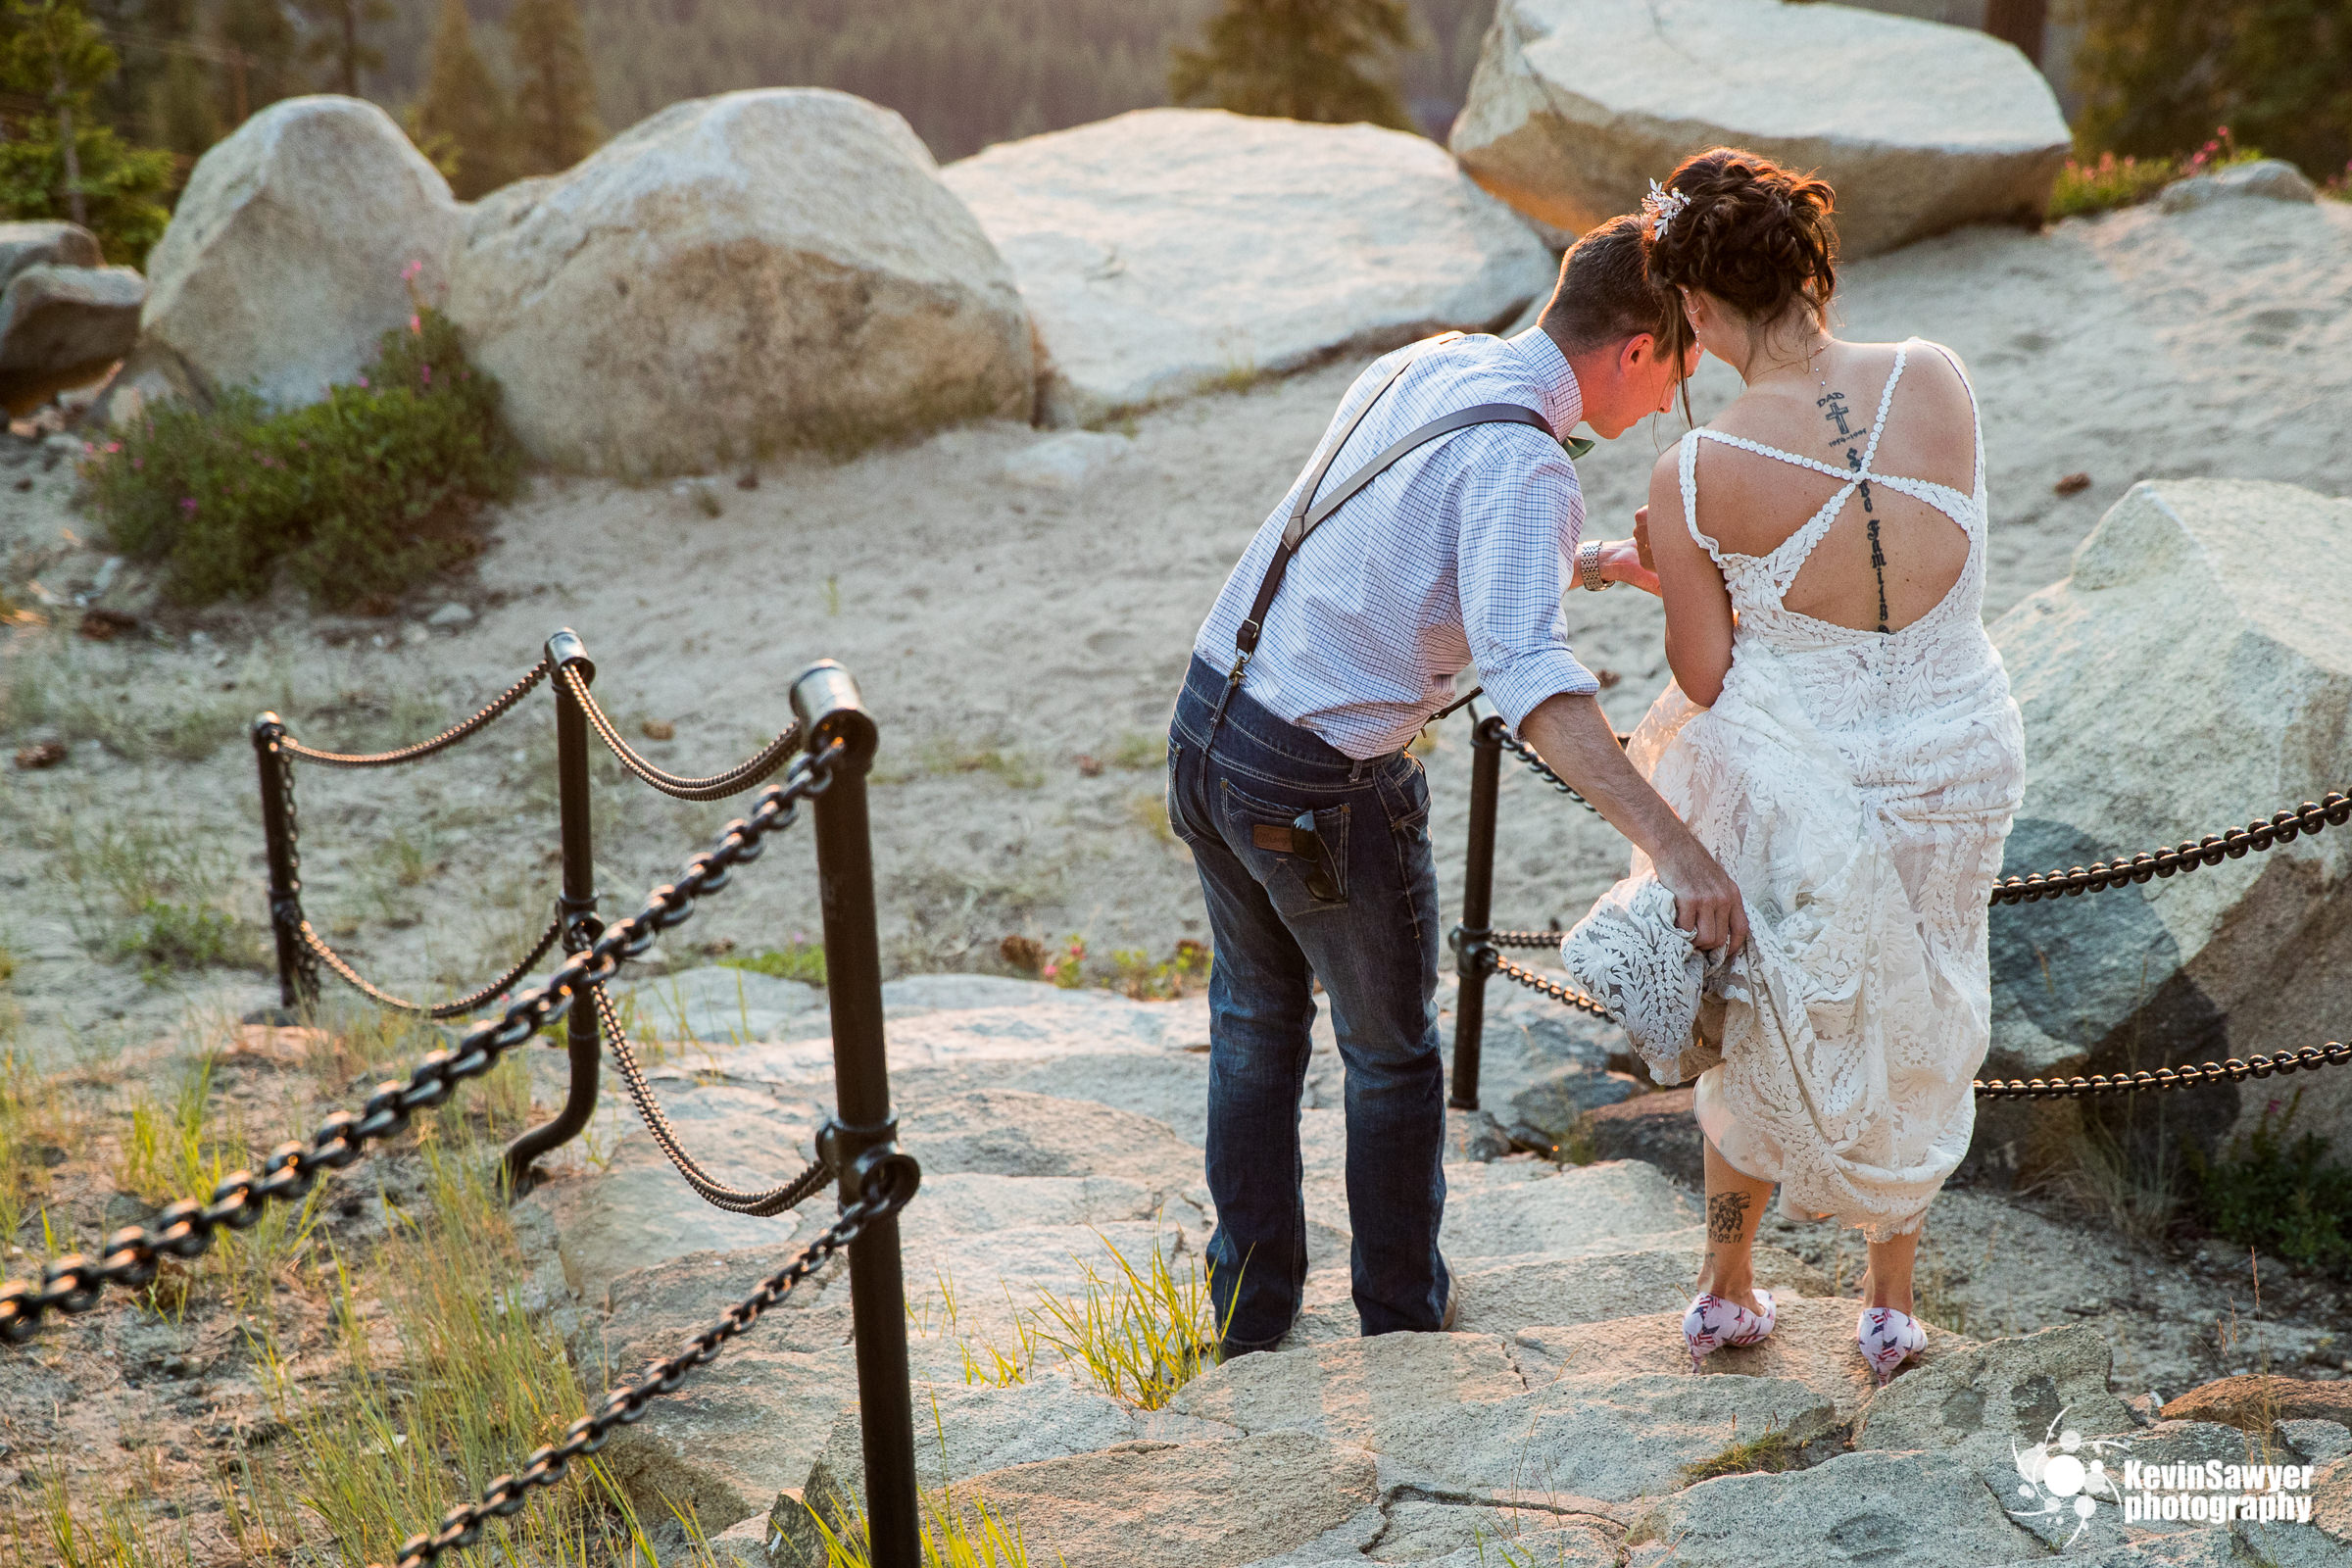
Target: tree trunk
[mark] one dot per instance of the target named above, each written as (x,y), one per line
(2019,21)
(75,207)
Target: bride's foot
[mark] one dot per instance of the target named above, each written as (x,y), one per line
(1714,1321)
(1887,1338)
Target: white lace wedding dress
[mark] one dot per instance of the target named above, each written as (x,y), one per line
(1858,786)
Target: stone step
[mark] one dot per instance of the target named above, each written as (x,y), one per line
(1455,1410)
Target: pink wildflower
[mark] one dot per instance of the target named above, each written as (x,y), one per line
(187,503)
(415,325)
(362,380)
(114,446)
(408,274)
(428,374)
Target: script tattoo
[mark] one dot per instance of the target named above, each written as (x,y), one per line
(1726,1216)
(1835,410)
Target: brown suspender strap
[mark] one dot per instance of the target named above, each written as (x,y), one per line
(1308,516)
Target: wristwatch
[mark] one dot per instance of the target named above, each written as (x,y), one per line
(1587,567)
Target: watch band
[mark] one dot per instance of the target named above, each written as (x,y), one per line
(1587,567)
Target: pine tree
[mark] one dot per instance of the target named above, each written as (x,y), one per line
(64,163)
(2159,76)
(336,39)
(261,44)
(183,107)
(460,121)
(1299,59)
(555,94)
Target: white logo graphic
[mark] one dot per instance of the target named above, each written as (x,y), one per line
(2063,1474)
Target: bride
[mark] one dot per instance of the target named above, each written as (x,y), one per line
(1839,734)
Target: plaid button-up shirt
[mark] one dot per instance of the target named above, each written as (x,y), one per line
(1456,555)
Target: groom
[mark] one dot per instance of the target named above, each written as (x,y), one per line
(1308,822)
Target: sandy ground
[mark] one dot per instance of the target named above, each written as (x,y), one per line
(1002,631)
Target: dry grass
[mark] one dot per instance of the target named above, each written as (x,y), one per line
(1139,1335)
(966,1532)
(1769,1455)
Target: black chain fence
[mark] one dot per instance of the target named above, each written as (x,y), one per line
(1479,955)
(834,739)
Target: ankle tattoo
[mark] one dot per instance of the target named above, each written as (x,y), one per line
(1726,1216)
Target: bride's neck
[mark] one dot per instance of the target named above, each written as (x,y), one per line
(1784,351)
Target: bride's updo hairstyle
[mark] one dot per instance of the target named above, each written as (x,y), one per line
(1753,235)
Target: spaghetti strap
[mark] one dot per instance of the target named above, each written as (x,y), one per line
(1687,462)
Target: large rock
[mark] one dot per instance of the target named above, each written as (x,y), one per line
(1170,250)
(63,326)
(1578,104)
(1887,1510)
(284,261)
(1449,1409)
(760,270)
(1995,1398)
(1148,1504)
(56,244)
(2193,674)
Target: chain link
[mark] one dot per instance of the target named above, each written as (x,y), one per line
(1498,965)
(2236,1071)
(187,1229)
(2283,827)
(505,1497)
(423,749)
(1540,768)
(761,1204)
(316,948)
(718,787)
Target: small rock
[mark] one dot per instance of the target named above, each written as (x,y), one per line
(451,616)
(1608,678)
(2253,1403)
(105,626)
(1064,462)
(659,729)
(1473,1135)
(749,480)
(2074,484)
(2265,180)
(2319,1442)
(43,754)
(1088,767)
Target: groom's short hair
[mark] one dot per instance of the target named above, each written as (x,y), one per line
(1605,294)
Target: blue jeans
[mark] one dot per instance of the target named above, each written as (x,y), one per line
(1375,949)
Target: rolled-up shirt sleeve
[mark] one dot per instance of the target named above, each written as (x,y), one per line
(1516,538)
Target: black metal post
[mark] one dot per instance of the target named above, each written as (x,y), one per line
(825,700)
(297,980)
(1472,951)
(577,909)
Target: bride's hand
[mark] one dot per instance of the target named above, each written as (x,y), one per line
(1625,561)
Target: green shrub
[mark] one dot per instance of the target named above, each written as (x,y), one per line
(797,959)
(2285,1198)
(2111,182)
(357,497)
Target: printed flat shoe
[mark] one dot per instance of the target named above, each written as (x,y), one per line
(1713,1322)
(1887,1338)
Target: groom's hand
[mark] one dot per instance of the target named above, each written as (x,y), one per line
(1621,560)
(1706,901)
(1642,538)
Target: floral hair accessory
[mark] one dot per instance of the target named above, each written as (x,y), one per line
(1663,205)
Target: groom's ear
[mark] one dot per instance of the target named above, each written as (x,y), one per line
(1636,351)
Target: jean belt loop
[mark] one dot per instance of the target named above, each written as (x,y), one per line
(1355,771)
